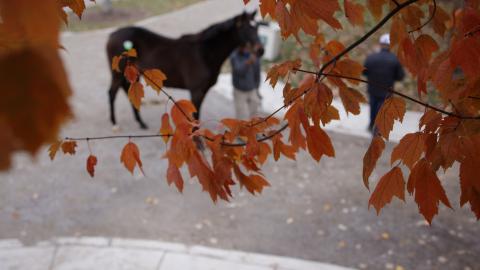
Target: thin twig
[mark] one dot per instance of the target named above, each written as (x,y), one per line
(166,94)
(116,137)
(389,89)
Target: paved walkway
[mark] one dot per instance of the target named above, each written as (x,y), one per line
(127,254)
(314,211)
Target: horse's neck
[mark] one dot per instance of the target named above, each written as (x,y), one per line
(218,48)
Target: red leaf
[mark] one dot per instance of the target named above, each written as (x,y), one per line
(351,100)
(393,109)
(354,12)
(391,184)
(371,157)
(131,73)
(410,149)
(91,163)
(267,7)
(376,7)
(427,188)
(253,183)
(319,143)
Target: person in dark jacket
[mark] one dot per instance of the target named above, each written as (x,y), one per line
(382,69)
(245,64)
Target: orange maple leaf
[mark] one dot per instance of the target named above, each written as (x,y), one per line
(354,12)
(131,73)
(182,111)
(410,149)
(391,184)
(154,78)
(376,7)
(166,128)
(319,143)
(135,94)
(371,157)
(68,147)
(393,109)
(116,63)
(427,188)
(53,149)
(351,100)
(130,157)
(174,176)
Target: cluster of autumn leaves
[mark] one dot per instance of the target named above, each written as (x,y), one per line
(440,49)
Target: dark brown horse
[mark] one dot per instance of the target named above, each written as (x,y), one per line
(190,62)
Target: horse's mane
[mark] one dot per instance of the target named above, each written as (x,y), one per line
(212,30)
(215,29)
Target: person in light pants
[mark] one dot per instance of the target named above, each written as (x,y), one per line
(245,64)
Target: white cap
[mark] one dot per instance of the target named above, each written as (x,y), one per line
(385,39)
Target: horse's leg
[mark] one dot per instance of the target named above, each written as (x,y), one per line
(197,98)
(112,93)
(136,113)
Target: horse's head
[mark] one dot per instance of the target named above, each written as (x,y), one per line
(247,29)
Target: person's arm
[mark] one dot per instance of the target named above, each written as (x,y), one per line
(365,68)
(257,73)
(399,73)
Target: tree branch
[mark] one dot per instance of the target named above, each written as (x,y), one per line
(389,89)
(396,2)
(367,35)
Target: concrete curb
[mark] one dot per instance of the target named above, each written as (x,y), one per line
(117,253)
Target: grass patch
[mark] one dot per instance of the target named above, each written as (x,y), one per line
(125,12)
